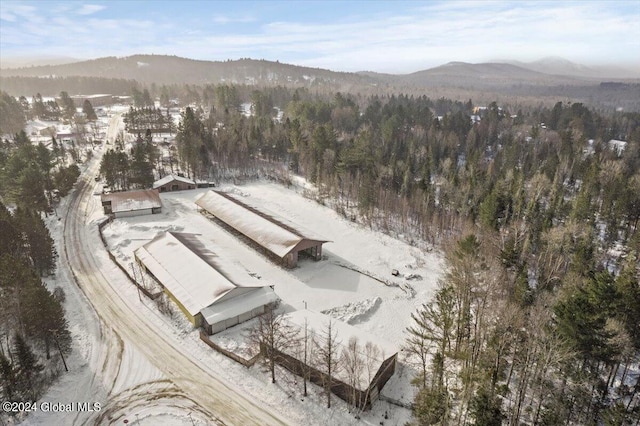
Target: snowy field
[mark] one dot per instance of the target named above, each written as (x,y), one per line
(352,283)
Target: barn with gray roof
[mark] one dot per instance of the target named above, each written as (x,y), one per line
(210,290)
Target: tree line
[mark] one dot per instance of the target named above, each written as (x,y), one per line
(34,333)
(493,348)
(124,170)
(536,320)
(33,328)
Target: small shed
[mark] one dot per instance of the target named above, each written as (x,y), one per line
(173,183)
(131,203)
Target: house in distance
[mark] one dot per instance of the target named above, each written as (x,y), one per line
(179,183)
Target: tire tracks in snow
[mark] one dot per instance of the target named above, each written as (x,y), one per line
(196,387)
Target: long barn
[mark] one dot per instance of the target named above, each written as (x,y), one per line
(210,291)
(281,238)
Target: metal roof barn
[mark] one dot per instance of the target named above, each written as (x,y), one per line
(204,285)
(279,236)
(131,203)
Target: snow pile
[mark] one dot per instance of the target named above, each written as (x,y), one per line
(354,313)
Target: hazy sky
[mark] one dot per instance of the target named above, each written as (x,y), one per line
(384,36)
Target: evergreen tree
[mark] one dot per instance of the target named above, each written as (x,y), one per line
(41,247)
(12,115)
(67,105)
(7,378)
(43,316)
(31,185)
(485,409)
(190,140)
(88,110)
(28,368)
(141,167)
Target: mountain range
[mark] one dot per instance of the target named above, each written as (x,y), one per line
(549,78)
(163,69)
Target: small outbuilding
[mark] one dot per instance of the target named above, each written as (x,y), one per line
(131,203)
(174,183)
(211,291)
(279,237)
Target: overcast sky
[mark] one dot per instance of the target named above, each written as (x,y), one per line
(383,36)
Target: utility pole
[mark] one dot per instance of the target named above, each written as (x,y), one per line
(55,339)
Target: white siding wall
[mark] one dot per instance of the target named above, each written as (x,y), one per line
(133,213)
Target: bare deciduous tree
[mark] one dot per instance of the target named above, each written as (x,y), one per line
(327,357)
(272,333)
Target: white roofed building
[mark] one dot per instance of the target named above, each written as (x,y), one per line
(211,291)
(618,146)
(131,203)
(280,237)
(174,183)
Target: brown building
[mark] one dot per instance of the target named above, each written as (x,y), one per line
(280,238)
(174,183)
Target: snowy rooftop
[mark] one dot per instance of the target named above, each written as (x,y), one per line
(271,231)
(317,323)
(170,178)
(132,200)
(191,270)
(617,145)
(240,304)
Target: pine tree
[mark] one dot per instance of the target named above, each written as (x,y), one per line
(190,139)
(88,110)
(67,105)
(31,186)
(7,377)
(41,247)
(28,369)
(141,166)
(434,324)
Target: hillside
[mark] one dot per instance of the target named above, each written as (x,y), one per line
(161,69)
(458,80)
(560,66)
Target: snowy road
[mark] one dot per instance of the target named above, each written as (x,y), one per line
(184,385)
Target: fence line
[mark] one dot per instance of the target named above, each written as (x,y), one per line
(246,362)
(101,225)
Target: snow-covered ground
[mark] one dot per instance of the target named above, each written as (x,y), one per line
(117,368)
(352,283)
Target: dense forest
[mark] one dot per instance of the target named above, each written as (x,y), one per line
(536,208)
(536,319)
(33,330)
